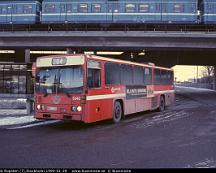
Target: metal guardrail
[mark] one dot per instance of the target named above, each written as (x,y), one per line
(195,85)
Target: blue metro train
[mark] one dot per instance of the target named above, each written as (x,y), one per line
(107,11)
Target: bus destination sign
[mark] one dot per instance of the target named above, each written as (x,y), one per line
(59,61)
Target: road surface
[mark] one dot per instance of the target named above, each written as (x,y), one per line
(183,136)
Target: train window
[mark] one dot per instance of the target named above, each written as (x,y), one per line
(4,10)
(38,8)
(143,8)
(138,76)
(0,10)
(113,8)
(83,8)
(49,8)
(147,76)
(210,7)
(96,8)
(112,74)
(164,7)
(130,8)
(9,9)
(193,7)
(178,8)
(27,9)
(62,8)
(69,8)
(14,9)
(158,8)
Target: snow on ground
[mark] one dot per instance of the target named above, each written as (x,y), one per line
(16,120)
(193,88)
(166,116)
(12,112)
(21,100)
(14,116)
(206,163)
(12,103)
(45,122)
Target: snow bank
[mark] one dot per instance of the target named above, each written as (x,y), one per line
(16,120)
(13,104)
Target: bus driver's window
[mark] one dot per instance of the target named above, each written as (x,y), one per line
(94,74)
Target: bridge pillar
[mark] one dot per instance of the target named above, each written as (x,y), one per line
(214,78)
(22,55)
(19,56)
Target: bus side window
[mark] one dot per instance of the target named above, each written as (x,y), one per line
(147,76)
(157,76)
(164,77)
(170,77)
(112,73)
(126,74)
(138,75)
(94,75)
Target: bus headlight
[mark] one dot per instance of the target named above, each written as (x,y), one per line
(42,107)
(38,107)
(79,108)
(76,108)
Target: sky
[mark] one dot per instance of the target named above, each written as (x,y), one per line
(184,72)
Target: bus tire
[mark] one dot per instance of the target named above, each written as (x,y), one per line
(161,107)
(117,112)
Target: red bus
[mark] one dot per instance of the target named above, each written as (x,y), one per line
(90,88)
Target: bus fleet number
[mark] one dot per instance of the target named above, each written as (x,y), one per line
(76,98)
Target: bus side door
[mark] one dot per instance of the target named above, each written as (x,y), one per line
(94,91)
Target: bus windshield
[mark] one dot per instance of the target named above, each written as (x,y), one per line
(61,80)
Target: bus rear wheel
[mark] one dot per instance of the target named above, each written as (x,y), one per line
(161,107)
(117,112)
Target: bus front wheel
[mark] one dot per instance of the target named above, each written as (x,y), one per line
(117,112)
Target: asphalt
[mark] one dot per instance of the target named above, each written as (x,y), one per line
(183,136)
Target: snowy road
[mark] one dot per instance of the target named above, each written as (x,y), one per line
(183,136)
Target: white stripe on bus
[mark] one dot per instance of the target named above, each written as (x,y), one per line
(162,92)
(107,96)
(111,96)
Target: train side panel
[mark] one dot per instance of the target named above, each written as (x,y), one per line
(20,12)
(209,11)
(179,11)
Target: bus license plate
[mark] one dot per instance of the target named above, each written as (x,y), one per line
(50,108)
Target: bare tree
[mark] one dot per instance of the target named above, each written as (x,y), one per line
(208,71)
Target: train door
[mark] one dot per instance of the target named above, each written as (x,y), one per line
(165,12)
(9,14)
(62,17)
(112,12)
(158,10)
(4,13)
(69,9)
